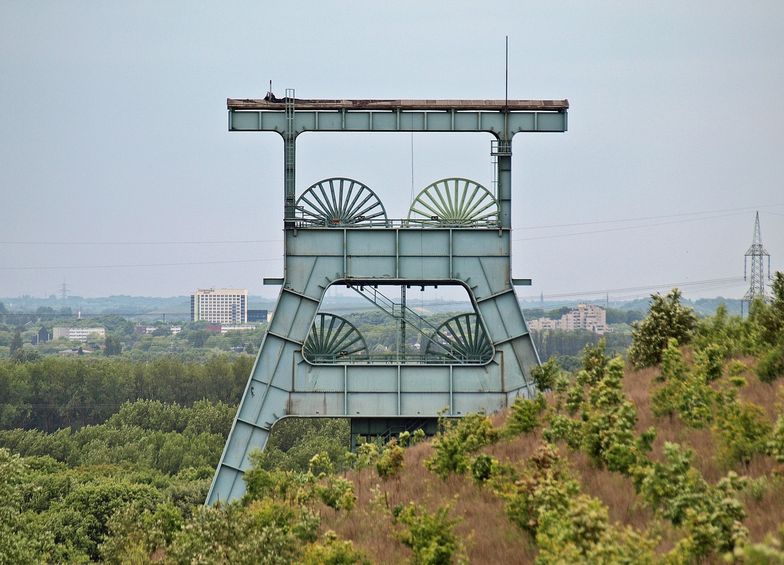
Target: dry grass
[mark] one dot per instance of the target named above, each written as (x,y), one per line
(488,536)
(491,538)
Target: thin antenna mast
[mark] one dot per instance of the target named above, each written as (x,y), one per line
(506,74)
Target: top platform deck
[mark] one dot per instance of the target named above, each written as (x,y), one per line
(272,103)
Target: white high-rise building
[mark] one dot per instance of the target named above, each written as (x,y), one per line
(220,305)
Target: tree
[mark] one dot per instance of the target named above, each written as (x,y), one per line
(16,342)
(666,319)
(112,345)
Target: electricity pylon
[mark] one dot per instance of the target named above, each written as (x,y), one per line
(757,254)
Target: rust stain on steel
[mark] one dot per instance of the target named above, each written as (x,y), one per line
(310,104)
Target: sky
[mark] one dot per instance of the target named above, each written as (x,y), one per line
(118,174)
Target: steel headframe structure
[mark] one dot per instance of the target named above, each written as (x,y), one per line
(757,254)
(316,364)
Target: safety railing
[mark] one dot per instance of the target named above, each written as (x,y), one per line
(405,223)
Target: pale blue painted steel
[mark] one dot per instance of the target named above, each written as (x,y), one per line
(284,384)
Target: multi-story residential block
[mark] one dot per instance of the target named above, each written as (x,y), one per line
(585,317)
(220,305)
(78,334)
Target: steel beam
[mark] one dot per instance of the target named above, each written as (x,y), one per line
(403,121)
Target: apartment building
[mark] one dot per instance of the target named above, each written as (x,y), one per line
(78,334)
(220,305)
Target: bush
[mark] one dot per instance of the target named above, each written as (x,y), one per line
(431,537)
(524,415)
(743,431)
(666,319)
(771,365)
(456,439)
(391,461)
(544,376)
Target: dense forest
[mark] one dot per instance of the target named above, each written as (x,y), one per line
(672,453)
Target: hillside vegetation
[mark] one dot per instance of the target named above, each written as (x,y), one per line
(676,455)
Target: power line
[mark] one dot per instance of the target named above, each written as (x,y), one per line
(215,242)
(135,265)
(641,218)
(625,228)
(708,282)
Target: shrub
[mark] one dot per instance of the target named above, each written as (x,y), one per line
(431,537)
(711,515)
(776,442)
(456,439)
(391,461)
(546,375)
(685,393)
(771,364)
(667,318)
(333,551)
(743,431)
(524,415)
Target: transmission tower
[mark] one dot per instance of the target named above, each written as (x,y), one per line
(63,291)
(757,254)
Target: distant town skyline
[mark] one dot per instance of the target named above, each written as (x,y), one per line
(119,176)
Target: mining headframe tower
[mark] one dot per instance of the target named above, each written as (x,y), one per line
(313,363)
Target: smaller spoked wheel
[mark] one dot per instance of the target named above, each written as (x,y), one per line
(455,202)
(461,337)
(340,202)
(333,339)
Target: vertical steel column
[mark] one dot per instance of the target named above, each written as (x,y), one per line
(402,349)
(289,163)
(505,186)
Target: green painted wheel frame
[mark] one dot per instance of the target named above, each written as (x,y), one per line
(455,202)
(340,201)
(333,338)
(462,336)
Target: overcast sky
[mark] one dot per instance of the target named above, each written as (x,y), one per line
(113,133)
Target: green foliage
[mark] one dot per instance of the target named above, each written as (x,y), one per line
(667,318)
(456,439)
(769,319)
(776,442)
(563,428)
(53,393)
(294,441)
(770,552)
(524,415)
(431,537)
(390,463)
(336,493)
(482,467)
(582,533)
(685,392)
(545,376)
(771,364)
(333,551)
(609,420)
(743,431)
(711,515)
(129,437)
(265,532)
(16,342)
(544,486)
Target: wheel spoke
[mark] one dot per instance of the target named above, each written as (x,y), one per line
(339,201)
(455,201)
(332,338)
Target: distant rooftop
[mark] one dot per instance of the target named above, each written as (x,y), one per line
(270,102)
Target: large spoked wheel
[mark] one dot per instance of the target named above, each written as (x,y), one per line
(455,202)
(461,337)
(340,202)
(334,339)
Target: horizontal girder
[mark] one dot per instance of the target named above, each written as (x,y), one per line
(492,122)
